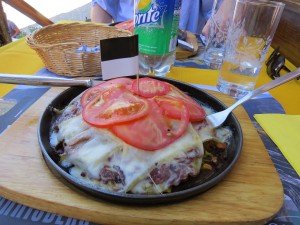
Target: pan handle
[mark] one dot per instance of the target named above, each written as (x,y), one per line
(43,81)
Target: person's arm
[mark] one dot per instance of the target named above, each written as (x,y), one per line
(100,15)
(17,31)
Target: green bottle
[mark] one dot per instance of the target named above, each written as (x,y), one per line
(156,23)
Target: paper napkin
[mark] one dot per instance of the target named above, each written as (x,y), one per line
(284,130)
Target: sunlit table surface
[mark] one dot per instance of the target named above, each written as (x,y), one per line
(18,58)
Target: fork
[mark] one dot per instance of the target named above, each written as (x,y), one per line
(217,119)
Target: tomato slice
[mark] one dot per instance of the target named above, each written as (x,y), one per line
(149,87)
(149,117)
(171,107)
(92,92)
(197,113)
(153,131)
(115,105)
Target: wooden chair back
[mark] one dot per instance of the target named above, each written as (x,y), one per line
(287,35)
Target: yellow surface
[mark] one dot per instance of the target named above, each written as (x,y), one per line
(285,133)
(18,58)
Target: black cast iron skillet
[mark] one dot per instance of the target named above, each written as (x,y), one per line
(192,187)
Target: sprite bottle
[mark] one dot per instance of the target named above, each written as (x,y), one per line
(156,23)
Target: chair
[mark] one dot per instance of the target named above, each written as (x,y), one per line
(4,35)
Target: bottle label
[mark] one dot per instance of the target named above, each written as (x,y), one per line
(156,23)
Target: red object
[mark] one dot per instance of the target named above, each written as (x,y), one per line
(126,25)
(154,131)
(148,87)
(92,92)
(114,106)
(197,113)
(147,113)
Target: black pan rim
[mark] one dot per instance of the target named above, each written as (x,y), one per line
(142,199)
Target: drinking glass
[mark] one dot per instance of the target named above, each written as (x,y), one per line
(219,22)
(249,38)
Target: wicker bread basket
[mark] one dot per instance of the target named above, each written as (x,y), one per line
(57,44)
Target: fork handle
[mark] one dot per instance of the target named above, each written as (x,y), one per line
(278,81)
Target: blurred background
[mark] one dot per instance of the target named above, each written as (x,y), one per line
(55,10)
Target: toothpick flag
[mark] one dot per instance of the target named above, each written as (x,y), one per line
(119,57)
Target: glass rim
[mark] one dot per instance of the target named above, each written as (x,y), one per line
(265,2)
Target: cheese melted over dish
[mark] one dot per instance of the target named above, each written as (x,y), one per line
(101,159)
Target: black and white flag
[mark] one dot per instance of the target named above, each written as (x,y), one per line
(119,57)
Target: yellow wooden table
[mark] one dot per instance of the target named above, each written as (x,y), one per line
(18,58)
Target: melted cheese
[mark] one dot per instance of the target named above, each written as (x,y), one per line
(103,148)
(89,150)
